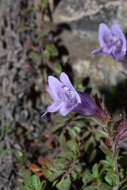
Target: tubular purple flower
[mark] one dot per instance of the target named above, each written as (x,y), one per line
(66,99)
(112,41)
(89,108)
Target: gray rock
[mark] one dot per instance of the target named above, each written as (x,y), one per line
(102,70)
(84,16)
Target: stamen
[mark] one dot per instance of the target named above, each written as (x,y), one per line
(116,42)
(69,93)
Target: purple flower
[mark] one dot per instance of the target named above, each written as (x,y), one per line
(64,96)
(66,99)
(88,107)
(112,41)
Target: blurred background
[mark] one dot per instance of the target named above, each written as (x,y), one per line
(41,38)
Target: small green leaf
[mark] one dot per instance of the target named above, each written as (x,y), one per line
(62,140)
(108,163)
(35,56)
(72,133)
(57,68)
(74,175)
(42,34)
(73,146)
(78,168)
(86,177)
(105,150)
(64,184)
(31,182)
(95,171)
(110,178)
(36,182)
(50,51)
(19,155)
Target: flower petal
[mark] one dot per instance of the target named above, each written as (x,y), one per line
(117,31)
(104,37)
(96,51)
(87,106)
(55,88)
(53,107)
(65,109)
(66,81)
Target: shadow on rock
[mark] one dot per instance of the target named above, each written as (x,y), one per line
(116,97)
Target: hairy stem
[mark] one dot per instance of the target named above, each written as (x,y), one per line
(114,156)
(114,149)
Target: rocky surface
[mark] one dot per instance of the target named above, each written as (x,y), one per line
(83,17)
(20,83)
(102,70)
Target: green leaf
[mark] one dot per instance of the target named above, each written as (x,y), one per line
(73,146)
(105,150)
(95,171)
(35,56)
(108,163)
(43,185)
(74,175)
(86,177)
(64,184)
(90,142)
(19,155)
(104,186)
(62,140)
(72,133)
(78,168)
(110,178)
(36,182)
(42,34)
(50,51)
(27,177)
(57,68)
(31,182)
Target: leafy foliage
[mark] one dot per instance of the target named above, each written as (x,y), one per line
(32,182)
(64,184)
(50,51)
